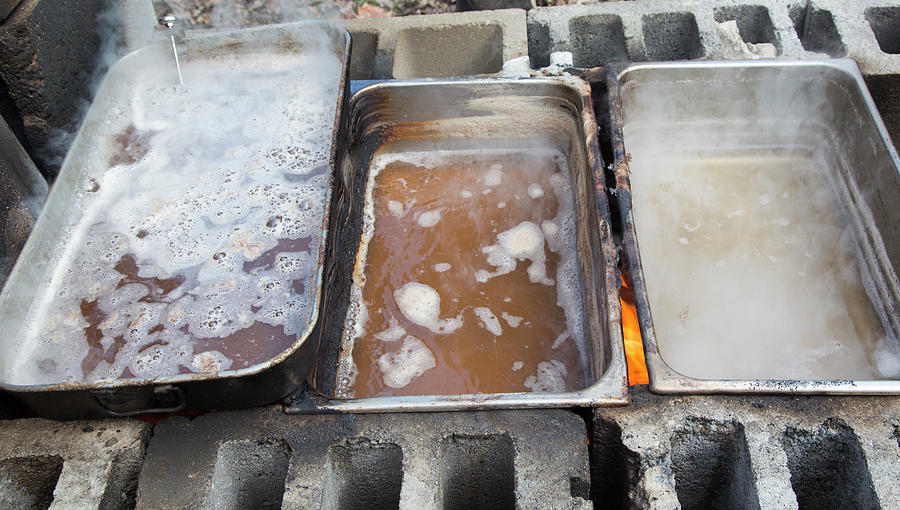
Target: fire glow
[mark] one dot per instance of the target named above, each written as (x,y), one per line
(631,334)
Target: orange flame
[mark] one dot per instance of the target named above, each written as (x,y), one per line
(631,333)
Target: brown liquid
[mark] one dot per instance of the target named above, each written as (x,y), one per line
(246,347)
(470,359)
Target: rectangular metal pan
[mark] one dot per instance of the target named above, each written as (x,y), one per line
(450,115)
(830,100)
(272,49)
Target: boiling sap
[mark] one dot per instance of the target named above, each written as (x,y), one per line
(466,279)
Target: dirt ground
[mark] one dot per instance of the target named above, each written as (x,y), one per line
(241,13)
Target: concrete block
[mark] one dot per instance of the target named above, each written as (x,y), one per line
(22,193)
(48,51)
(74,465)
(438,45)
(264,458)
(7,6)
(652,30)
(747,452)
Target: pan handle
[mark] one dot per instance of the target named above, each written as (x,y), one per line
(132,401)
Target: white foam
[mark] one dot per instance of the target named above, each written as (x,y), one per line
(535,190)
(494,176)
(441,267)
(887,358)
(488,320)
(560,339)
(517,366)
(394,332)
(396,208)
(413,359)
(550,377)
(429,219)
(465,193)
(421,305)
(211,361)
(522,242)
(512,320)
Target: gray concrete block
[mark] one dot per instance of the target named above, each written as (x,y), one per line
(748,452)
(74,465)
(264,458)
(48,51)
(7,6)
(867,31)
(438,45)
(22,193)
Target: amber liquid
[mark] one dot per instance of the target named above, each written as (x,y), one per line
(246,347)
(471,359)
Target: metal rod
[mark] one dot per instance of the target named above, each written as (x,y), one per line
(177,63)
(169,21)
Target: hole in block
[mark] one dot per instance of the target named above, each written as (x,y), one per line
(614,468)
(449,50)
(27,482)
(828,468)
(597,40)
(885,23)
(885,90)
(362,59)
(712,469)
(671,36)
(477,472)
(817,31)
(249,474)
(363,474)
(539,45)
(753,22)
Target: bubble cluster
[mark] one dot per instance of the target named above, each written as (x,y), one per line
(549,377)
(525,241)
(412,360)
(421,305)
(488,320)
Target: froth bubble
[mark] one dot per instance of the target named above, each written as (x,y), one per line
(412,360)
(550,377)
(429,219)
(210,361)
(489,320)
(494,176)
(421,305)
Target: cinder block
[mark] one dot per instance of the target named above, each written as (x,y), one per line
(438,45)
(867,31)
(22,193)
(7,6)
(264,458)
(48,50)
(747,452)
(74,465)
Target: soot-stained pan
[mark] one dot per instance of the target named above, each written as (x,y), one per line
(241,195)
(471,115)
